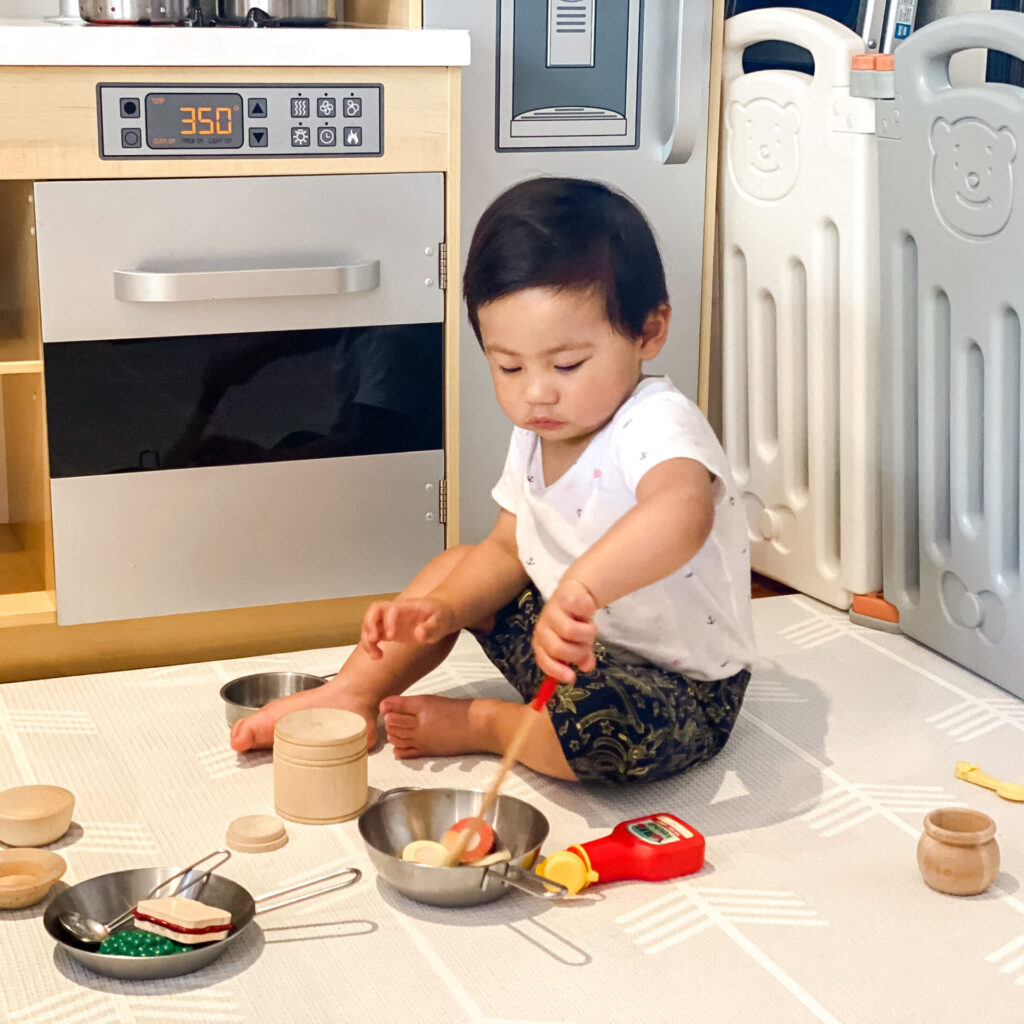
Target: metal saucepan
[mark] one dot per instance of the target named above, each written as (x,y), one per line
(143,12)
(106,896)
(402,815)
(247,694)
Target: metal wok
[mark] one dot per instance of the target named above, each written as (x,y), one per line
(402,815)
(106,896)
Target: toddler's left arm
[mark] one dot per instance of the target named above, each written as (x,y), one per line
(668,525)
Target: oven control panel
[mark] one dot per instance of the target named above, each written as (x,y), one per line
(202,121)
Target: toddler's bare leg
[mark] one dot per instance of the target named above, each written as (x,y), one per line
(362,683)
(426,725)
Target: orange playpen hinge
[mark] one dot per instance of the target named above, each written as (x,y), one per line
(874,611)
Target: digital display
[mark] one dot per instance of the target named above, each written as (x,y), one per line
(184,120)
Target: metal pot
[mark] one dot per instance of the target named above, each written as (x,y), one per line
(402,815)
(143,12)
(247,694)
(284,12)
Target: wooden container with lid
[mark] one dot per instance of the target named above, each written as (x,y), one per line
(320,765)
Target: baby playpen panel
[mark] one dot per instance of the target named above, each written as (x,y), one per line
(799,300)
(952,250)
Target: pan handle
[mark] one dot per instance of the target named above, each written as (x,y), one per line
(527,881)
(352,875)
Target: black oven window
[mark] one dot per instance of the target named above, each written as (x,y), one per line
(232,399)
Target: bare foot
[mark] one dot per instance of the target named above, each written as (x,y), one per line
(426,725)
(258,730)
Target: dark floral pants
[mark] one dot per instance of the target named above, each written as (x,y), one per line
(623,722)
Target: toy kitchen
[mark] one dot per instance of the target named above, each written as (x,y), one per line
(225,369)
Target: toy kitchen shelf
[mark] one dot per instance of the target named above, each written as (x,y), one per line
(49,79)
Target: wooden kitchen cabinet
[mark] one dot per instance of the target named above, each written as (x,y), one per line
(26,557)
(48,131)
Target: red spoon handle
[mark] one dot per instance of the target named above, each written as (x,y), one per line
(544,693)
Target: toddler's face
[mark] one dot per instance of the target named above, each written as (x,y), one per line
(560,369)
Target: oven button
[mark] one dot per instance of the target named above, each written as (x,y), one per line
(353,106)
(300,106)
(353,135)
(130,107)
(327,136)
(258,138)
(131,138)
(257,106)
(325,107)
(300,136)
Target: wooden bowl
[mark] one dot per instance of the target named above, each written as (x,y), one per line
(34,815)
(26,876)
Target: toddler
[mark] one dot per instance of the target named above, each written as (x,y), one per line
(618,563)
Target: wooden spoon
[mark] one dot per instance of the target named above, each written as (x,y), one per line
(456,842)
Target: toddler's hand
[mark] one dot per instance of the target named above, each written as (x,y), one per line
(565,632)
(420,620)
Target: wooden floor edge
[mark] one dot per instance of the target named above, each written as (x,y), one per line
(51,651)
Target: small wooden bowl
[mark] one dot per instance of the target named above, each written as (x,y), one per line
(26,876)
(35,815)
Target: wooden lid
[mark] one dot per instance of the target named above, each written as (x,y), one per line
(321,733)
(27,803)
(256,833)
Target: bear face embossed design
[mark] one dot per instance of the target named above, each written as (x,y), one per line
(764,152)
(972,175)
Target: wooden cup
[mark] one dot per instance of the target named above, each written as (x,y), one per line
(957,852)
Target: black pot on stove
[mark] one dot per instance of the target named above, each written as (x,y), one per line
(146,12)
(281,12)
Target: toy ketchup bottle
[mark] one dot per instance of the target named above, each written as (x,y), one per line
(649,849)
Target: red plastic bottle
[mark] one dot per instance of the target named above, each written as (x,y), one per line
(651,848)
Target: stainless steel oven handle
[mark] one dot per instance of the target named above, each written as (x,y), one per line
(270,283)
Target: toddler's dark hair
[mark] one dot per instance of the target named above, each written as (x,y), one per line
(566,233)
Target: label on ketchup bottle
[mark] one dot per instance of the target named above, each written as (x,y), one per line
(658,831)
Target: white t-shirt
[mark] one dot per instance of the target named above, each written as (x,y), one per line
(695,621)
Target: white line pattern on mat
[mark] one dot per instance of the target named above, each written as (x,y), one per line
(686,911)
(116,837)
(843,807)
(28,776)
(1014,965)
(814,631)
(74,1007)
(1010,713)
(772,691)
(60,723)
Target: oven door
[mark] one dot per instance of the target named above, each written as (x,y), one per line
(244,389)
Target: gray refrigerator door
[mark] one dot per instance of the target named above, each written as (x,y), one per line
(647,111)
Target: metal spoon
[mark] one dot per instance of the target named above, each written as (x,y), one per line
(90,932)
(87,930)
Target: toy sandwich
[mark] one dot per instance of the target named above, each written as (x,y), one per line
(183,920)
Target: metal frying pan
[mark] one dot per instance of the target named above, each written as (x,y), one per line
(402,815)
(106,896)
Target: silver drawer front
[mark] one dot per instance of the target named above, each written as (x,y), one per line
(142,544)
(157,258)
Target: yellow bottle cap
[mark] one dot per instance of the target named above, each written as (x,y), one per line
(568,869)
